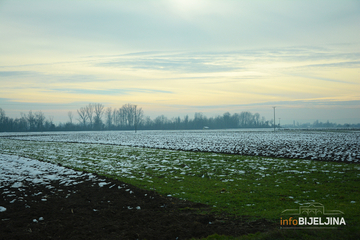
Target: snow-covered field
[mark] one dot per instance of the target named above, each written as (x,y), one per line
(316,145)
(148,165)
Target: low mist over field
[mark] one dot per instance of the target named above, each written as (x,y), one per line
(178,58)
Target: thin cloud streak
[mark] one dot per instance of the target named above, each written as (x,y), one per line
(288,104)
(322,79)
(111,91)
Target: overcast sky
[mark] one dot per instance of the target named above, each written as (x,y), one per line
(183,56)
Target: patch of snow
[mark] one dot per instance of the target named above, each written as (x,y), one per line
(19,172)
(102,184)
(17,185)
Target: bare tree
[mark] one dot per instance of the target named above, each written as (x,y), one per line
(39,119)
(127,115)
(70,114)
(98,110)
(246,119)
(122,116)
(148,121)
(2,115)
(139,116)
(263,120)
(23,123)
(257,119)
(89,113)
(82,116)
(49,125)
(31,120)
(160,121)
(115,117)
(2,120)
(109,117)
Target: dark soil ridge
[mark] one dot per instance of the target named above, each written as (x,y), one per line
(114,211)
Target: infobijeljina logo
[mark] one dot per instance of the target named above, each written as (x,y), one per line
(313,216)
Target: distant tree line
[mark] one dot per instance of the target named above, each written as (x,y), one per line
(236,120)
(319,124)
(95,116)
(27,122)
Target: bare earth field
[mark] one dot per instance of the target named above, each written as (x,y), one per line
(86,206)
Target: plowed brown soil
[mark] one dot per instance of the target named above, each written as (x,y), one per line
(114,211)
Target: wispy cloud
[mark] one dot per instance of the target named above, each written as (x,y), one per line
(345,64)
(287,104)
(321,78)
(124,91)
(21,106)
(230,61)
(188,63)
(15,73)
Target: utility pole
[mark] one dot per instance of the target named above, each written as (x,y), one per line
(274,118)
(135,119)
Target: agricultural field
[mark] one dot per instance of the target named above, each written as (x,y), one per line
(251,176)
(341,146)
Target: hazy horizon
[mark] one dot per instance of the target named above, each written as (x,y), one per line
(175,58)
